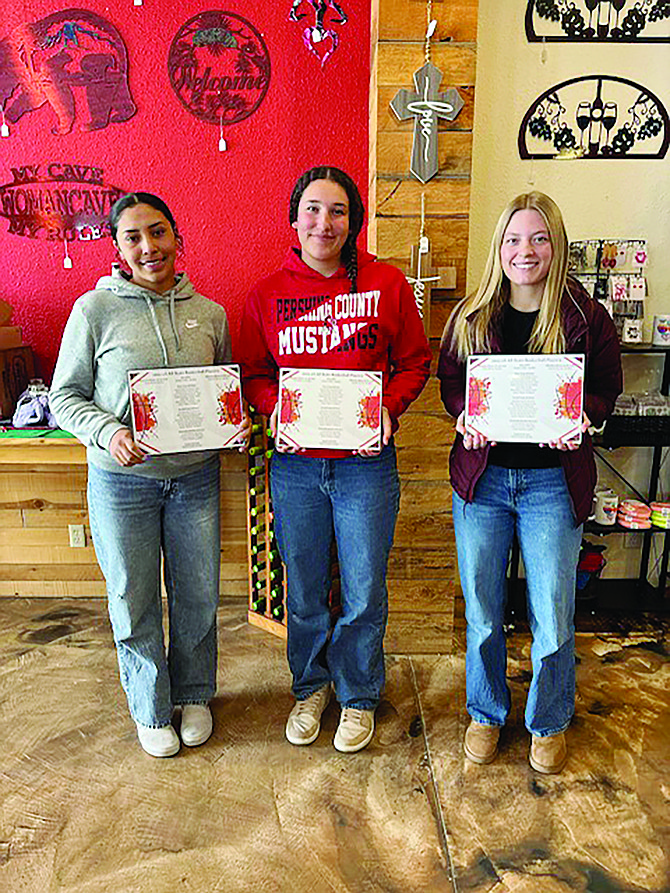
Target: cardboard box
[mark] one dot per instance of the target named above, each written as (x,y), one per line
(10,336)
(17,367)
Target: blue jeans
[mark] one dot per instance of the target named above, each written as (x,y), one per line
(535,503)
(134,519)
(355,499)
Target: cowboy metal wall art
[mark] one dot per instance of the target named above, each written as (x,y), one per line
(320,38)
(427,106)
(624,21)
(219,67)
(597,116)
(72,62)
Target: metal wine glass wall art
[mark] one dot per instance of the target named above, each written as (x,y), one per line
(596,116)
(624,21)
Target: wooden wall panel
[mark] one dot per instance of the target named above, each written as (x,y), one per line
(422,568)
(406,20)
(43,490)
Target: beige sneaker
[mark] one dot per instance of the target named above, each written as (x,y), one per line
(548,754)
(162,742)
(481,742)
(196,724)
(304,721)
(355,730)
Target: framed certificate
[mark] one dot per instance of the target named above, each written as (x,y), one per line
(181,409)
(525,398)
(337,409)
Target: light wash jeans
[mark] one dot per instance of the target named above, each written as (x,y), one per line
(355,498)
(133,519)
(535,503)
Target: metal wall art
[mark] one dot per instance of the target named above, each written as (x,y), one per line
(320,37)
(75,63)
(627,21)
(598,117)
(58,202)
(426,105)
(219,67)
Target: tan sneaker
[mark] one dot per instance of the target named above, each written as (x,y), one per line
(304,721)
(548,754)
(161,742)
(355,730)
(481,742)
(196,724)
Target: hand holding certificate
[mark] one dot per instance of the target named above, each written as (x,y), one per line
(329,409)
(525,398)
(181,409)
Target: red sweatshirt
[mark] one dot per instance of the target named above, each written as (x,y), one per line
(298,317)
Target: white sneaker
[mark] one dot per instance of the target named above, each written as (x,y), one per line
(304,721)
(163,742)
(196,724)
(355,730)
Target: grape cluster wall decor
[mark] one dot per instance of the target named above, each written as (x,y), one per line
(596,116)
(626,21)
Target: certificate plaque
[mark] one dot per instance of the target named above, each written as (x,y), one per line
(332,409)
(525,398)
(181,409)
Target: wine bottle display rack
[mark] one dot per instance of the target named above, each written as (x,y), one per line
(267,589)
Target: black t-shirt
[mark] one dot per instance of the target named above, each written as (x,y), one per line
(516,330)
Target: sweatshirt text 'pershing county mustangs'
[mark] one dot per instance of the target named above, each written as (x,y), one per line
(299,318)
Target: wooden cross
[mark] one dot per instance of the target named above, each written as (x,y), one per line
(423,278)
(427,106)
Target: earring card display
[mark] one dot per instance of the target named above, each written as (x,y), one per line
(267,590)
(612,271)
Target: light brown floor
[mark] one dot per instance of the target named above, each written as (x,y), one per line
(83,809)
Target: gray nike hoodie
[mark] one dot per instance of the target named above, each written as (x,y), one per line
(121,326)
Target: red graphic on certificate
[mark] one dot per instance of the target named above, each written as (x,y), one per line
(369,410)
(144,412)
(290,406)
(569,400)
(479,390)
(230,407)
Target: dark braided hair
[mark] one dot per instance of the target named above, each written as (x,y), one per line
(356,211)
(129,200)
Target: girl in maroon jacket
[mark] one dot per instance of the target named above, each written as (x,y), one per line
(306,315)
(525,303)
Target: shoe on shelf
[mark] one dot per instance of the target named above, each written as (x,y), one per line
(355,730)
(548,754)
(196,724)
(304,721)
(481,742)
(162,742)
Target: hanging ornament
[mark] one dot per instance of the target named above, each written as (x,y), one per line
(320,40)
(544,54)
(427,106)
(223,145)
(137,2)
(422,276)
(4,127)
(67,260)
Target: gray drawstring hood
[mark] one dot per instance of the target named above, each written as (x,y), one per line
(118,327)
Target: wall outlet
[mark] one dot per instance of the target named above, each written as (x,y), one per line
(633,539)
(77,536)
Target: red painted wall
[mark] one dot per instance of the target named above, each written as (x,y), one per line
(231,207)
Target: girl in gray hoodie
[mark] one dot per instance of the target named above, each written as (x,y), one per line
(144,509)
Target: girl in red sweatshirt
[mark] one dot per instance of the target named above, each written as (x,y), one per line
(332,306)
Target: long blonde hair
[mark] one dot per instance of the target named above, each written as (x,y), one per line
(470,322)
